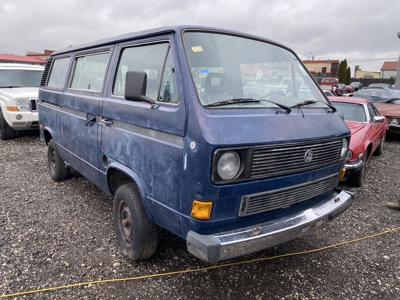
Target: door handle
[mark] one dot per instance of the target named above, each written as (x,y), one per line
(90,122)
(106,121)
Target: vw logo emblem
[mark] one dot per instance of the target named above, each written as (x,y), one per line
(308,156)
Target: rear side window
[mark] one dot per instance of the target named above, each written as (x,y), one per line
(89,72)
(59,73)
(149,59)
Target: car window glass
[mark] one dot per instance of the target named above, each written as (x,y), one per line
(149,59)
(59,73)
(375,110)
(169,91)
(351,111)
(371,112)
(89,72)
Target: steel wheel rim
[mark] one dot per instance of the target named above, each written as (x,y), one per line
(125,222)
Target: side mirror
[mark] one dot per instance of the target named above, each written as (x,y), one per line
(379,119)
(135,88)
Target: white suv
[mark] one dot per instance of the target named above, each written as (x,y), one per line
(19,87)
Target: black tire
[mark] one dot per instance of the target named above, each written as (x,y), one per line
(58,171)
(379,150)
(356,179)
(137,236)
(6,132)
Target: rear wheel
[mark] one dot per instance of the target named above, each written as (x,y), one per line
(6,132)
(136,234)
(57,169)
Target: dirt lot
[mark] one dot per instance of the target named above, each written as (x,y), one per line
(59,233)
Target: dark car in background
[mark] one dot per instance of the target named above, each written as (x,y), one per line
(387,101)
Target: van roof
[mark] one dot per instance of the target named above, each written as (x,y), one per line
(14,66)
(154,32)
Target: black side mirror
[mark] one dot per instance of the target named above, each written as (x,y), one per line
(135,88)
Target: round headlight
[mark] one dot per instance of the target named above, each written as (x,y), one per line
(228,165)
(349,155)
(394,122)
(345,147)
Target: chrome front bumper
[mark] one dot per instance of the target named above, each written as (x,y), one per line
(230,244)
(355,165)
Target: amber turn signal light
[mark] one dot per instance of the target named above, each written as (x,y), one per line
(12,108)
(201,210)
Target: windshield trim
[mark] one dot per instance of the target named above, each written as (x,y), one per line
(246,36)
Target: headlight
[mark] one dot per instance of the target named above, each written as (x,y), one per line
(394,122)
(345,148)
(228,166)
(349,155)
(22,104)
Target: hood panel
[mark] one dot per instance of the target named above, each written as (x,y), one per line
(387,109)
(242,127)
(24,92)
(355,126)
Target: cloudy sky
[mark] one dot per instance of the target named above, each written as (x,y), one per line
(363,31)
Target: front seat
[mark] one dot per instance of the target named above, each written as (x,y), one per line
(215,88)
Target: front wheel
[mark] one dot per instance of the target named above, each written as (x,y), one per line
(57,169)
(356,179)
(379,150)
(6,132)
(136,234)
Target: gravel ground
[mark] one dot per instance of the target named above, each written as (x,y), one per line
(59,233)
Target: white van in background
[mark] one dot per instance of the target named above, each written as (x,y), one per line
(19,86)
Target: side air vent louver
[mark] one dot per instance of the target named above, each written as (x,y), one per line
(46,72)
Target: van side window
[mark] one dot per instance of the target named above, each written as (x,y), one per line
(89,73)
(149,59)
(169,91)
(59,72)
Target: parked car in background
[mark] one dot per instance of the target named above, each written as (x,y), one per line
(148,117)
(387,101)
(19,86)
(347,89)
(382,86)
(392,114)
(368,132)
(356,85)
(328,93)
(379,95)
(329,83)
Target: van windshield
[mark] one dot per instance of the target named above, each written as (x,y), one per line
(227,67)
(20,78)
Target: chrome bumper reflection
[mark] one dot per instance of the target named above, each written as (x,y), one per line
(220,246)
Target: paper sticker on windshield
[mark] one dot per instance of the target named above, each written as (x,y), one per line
(197,49)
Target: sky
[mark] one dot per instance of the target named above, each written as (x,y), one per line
(363,31)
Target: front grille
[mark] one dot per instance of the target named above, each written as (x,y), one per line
(291,159)
(282,198)
(33,104)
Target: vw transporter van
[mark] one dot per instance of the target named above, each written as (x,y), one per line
(192,130)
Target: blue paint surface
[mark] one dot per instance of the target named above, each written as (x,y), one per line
(168,173)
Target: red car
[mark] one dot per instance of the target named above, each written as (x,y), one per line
(368,131)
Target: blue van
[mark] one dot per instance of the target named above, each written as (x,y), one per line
(219,137)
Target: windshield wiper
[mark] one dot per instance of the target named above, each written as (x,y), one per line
(9,86)
(246,100)
(232,101)
(309,102)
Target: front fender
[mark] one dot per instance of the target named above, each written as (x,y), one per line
(114,165)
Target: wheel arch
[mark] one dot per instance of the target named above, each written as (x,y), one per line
(118,174)
(48,134)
